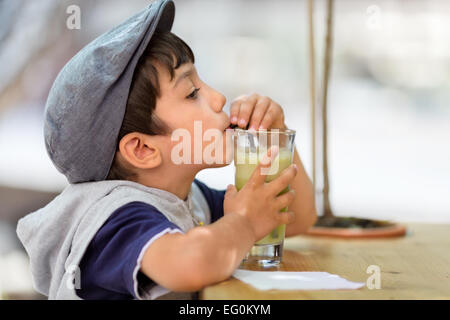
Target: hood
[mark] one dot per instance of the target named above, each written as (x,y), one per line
(56,236)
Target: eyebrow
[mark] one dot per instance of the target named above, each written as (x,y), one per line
(183,76)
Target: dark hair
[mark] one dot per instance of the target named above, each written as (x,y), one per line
(169,51)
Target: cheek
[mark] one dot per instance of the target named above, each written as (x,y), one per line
(177,112)
(228,148)
(223,153)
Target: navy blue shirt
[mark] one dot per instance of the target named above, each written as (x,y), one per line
(109,267)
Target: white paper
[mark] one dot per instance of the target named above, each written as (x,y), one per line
(289,280)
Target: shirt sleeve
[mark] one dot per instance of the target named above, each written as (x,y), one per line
(111,263)
(214,198)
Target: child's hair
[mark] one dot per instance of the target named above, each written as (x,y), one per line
(169,51)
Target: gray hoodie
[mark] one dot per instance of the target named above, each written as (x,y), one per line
(57,236)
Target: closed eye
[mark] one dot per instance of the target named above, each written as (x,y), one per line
(193,95)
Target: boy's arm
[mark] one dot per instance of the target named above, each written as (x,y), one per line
(206,255)
(202,256)
(303,206)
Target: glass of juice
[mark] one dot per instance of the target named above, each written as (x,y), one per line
(249,148)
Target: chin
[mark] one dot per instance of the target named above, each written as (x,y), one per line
(217,165)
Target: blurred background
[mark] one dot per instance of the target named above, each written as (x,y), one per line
(389,113)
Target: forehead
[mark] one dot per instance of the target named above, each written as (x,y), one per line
(165,76)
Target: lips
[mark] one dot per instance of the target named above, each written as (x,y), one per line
(235,126)
(229,126)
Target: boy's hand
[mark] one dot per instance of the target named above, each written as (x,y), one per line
(259,112)
(258,202)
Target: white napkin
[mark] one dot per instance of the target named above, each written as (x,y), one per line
(282,280)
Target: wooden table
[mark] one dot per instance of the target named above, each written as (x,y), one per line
(416,266)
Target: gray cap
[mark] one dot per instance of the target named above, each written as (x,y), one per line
(87,102)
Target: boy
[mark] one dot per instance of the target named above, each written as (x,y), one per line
(134,223)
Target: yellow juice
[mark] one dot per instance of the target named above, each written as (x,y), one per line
(246,163)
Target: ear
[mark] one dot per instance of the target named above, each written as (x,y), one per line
(140,151)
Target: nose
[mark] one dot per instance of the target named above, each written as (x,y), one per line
(218,100)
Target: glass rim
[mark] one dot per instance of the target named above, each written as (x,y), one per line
(266,131)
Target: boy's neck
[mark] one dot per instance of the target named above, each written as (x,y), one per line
(177,182)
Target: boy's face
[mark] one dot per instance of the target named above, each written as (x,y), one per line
(193,111)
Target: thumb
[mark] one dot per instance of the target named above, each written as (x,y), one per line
(231,190)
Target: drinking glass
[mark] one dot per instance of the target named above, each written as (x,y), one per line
(249,147)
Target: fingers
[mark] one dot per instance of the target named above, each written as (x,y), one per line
(284,200)
(272,112)
(258,113)
(234,109)
(242,108)
(245,111)
(258,177)
(286,217)
(283,180)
